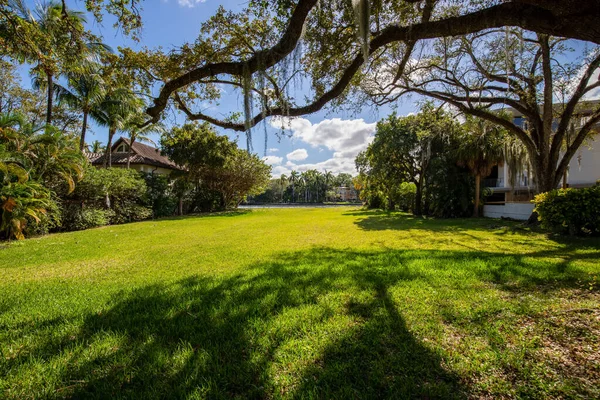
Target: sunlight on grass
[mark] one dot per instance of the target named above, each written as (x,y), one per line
(326,303)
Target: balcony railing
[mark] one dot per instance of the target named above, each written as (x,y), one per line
(499,183)
(493,183)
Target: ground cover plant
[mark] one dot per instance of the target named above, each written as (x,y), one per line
(301,303)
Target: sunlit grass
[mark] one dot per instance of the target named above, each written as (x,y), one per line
(321,303)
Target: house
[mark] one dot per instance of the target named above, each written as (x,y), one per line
(144,158)
(344,193)
(514,201)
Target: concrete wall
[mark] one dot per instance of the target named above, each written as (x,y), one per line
(150,169)
(520,211)
(584,168)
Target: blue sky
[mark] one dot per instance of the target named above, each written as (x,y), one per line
(324,140)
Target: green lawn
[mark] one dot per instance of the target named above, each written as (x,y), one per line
(301,303)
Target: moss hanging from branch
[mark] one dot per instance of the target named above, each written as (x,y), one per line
(516,159)
(247,91)
(263,104)
(362,14)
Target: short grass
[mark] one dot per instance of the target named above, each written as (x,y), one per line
(301,303)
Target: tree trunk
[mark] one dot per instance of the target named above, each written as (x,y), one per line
(180,210)
(418,201)
(129,152)
(108,153)
(477,194)
(83,129)
(49,100)
(419,197)
(545,175)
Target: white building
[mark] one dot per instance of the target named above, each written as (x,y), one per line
(515,202)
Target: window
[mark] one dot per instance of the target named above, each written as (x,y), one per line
(123,148)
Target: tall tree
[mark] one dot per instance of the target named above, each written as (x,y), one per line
(528,76)
(272,34)
(51,37)
(85,93)
(215,164)
(114,110)
(294,179)
(95,146)
(415,149)
(283,183)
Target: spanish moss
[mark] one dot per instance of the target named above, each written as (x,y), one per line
(247,89)
(362,16)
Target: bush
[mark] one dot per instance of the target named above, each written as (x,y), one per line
(106,196)
(130,213)
(450,190)
(160,196)
(204,199)
(77,218)
(572,211)
(404,196)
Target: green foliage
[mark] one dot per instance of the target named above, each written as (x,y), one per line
(76,217)
(450,189)
(572,211)
(421,150)
(118,190)
(22,203)
(34,163)
(160,195)
(404,196)
(196,146)
(223,174)
(482,145)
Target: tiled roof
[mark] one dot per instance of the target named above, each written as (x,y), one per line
(141,154)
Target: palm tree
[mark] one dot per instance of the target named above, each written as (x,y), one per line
(58,30)
(85,93)
(139,132)
(481,148)
(58,44)
(294,178)
(113,112)
(96,147)
(283,182)
(328,177)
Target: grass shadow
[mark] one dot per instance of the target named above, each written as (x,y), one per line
(319,323)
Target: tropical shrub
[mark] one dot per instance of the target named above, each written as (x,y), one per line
(24,204)
(76,218)
(572,211)
(121,191)
(34,164)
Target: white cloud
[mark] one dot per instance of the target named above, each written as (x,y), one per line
(273,150)
(297,155)
(345,138)
(272,160)
(276,172)
(190,3)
